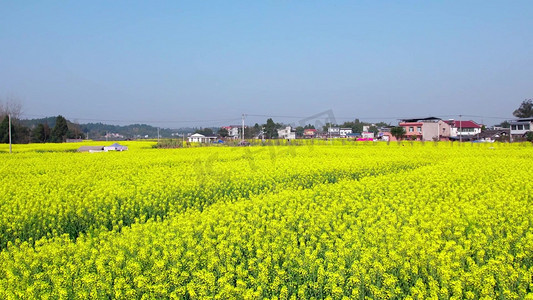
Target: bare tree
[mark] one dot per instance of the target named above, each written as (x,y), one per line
(11,106)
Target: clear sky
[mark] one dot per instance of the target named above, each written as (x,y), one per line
(180,61)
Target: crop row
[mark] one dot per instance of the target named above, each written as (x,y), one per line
(50,194)
(457,228)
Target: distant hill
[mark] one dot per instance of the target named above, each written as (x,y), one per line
(134,131)
(30,123)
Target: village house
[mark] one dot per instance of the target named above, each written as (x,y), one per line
(93,149)
(367,135)
(234,131)
(520,127)
(353,135)
(385,135)
(433,129)
(200,138)
(310,133)
(466,130)
(493,135)
(334,131)
(344,132)
(425,129)
(116,147)
(286,133)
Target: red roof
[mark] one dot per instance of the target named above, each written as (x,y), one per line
(464,124)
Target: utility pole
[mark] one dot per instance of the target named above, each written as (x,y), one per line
(438,131)
(460,129)
(158,134)
(329,133)
(510,135)
(9,118)
(243,127)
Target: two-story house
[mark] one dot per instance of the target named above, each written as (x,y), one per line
(425,129)
(344,132)
(520,127)
(286,133)
(310,133)
(463,129)
(234,131)
(334,131)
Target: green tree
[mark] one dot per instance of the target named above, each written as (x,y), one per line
(271,129)
(19,133)
(299,131)
(504,124)
(356,125)
(398,132)
(525,110)
(223,132)
(253,131)
(205,131)
(60,130)
(373,129)
(41,133)
(4,131)
(22,133)
(326,127)
(529,136)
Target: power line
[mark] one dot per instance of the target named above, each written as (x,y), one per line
(269,116)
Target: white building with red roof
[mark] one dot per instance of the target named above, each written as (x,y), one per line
(310,133)
(234,131)
(463,128)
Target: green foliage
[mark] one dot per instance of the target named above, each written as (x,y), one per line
(398,132)
(504,124)
(299,131)
(223,132)
(525,110)
(205,131)
(271,129)
(529,136)
(40,134)
(60,130)
(4,130)
(19,133)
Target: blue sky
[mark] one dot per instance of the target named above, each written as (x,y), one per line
(205,63)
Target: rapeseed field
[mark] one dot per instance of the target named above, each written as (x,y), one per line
(304,220)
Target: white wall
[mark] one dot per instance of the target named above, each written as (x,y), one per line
(521,129)
(286,133)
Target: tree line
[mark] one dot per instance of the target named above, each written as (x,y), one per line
(269,130)
(41,133)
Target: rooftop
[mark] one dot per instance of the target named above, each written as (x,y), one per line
(420,119)
(463,124)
